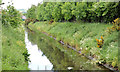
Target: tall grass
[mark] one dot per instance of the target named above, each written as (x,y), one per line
(13,47)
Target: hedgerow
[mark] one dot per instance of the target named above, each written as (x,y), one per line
(85,11)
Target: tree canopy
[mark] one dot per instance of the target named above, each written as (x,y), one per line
(86,11)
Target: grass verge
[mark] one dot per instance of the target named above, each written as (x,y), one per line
(13,49)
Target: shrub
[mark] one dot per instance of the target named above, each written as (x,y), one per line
(56,13)
(48,11)
(40,12)
(79,11)
(31,13)
(67,11)
(11,16)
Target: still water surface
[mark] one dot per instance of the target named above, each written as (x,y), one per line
(38,60)
(48,54)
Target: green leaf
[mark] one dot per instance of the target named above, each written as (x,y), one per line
(104,13)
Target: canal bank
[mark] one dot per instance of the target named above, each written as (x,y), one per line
(14,52)
(61,56)
(43,27)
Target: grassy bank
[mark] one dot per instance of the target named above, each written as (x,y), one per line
(59,55)
(13,47)
(83,36)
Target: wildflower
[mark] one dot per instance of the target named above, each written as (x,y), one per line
(98,46)
(101,37)
(116,20)
(100,41)
(97,40)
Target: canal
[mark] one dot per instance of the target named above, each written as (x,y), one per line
(48,54)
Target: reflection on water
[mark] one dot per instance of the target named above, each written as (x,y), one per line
(50,51)
(38,60)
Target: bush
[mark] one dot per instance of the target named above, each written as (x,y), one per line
(11,16)
(79,11)
(67,11)
(49,8)
(40,12)
(31,13)
(56,13)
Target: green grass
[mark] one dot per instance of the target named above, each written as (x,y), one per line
(13,47)
(83,36)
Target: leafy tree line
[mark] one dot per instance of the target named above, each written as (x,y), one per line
(11,16)
(67,11)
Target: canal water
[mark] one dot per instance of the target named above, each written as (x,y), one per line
(48,54)
(38,60)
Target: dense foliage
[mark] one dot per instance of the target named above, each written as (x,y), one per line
(56,13)
(31,13)
(11,16)
(66,11)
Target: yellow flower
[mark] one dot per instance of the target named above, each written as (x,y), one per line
(98,46)
(97,40)
(100,41)
(101,37)
(116,20)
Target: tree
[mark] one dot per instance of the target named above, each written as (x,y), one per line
(79,11)
(48,11)
(67,10)
(31,13)
(11,16)
(87,11)
(56,13)
(40,12)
